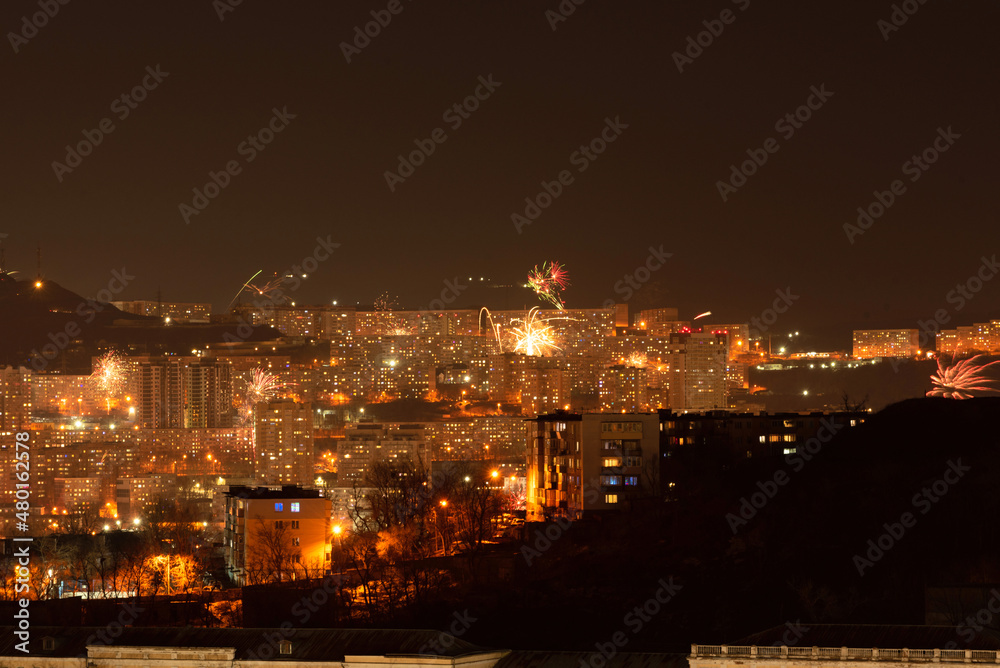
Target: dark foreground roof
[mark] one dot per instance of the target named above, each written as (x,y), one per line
(307,644)
(519,659)
(883,636)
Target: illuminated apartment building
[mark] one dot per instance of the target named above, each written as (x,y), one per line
(276,534)
(622,389)
(697,371)
(869,343)
(15,400)
(982,337)
(582,464)
(177,311)
(367,443)
(284,433)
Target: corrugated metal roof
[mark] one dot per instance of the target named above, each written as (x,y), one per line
(307,644)
(884,636)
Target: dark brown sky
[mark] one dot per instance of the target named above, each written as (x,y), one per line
(655,185)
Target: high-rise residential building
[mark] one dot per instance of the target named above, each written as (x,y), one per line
(981,337)
(283,430)
(276,535)
(537,383)
(366,443)
(15,399)
(623,389)
(660,322)
(583,464)
(737,338)
(185,392)
(869,343)
(697,371)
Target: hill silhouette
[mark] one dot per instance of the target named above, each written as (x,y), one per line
(47,326)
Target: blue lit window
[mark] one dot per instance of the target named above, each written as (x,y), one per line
(278,507)
(295,506)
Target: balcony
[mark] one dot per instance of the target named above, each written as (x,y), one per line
(784,653)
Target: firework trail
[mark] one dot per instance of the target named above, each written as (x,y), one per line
(109,376)
(962,378)
(702,315)
(495,328)
(267,290)
(548,282)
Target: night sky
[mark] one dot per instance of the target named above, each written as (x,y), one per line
(655,185)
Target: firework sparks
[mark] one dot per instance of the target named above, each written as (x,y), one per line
(961,379)
(534,337)
(637,360)
(549,281)
(109,374)
(385,303)
(262,386)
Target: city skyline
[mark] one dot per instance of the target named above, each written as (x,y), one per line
(656,182)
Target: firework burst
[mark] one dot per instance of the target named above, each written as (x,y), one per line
(109,375)
(262,386)
(637,359)
(962,378)
(535,336)
(549,281)
(385,303)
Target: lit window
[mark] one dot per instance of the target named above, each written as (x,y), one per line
(295,541)
(278,507)
(610,498)
(295,506)
(631,480)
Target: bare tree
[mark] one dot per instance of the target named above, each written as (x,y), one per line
(271,546)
